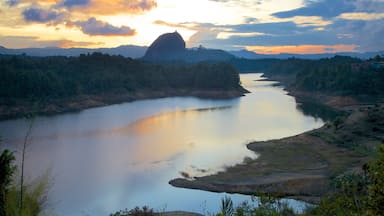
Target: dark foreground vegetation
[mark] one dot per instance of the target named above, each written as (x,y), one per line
(55,81)
(18,199)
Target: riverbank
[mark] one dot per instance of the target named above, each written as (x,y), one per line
(301,166)
(336,101)
(19,108)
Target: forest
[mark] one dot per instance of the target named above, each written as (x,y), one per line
(338,75)
(25,77)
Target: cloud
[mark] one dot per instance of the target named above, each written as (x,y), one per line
(275,28)
(269,34)
(302,49)
(305,21)
(72,3)
(367,34)
(96,27)
(108,7)
(226,35)
(323,8)
(241,2)
(173,25)
(26,41)
(221,0)
(318,34)
(12,3)
(369,6)
(361,16)
(70,43)
(48,10)
(39,15)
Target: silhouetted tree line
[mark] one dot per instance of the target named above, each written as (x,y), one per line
(334,75)
(253,65)
(52,77)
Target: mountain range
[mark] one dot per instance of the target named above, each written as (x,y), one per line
(125,50)
(171,47)
(252,55)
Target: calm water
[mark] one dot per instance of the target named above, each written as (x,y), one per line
(121,156)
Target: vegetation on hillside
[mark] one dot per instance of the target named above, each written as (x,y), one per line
(340,75)
(25,77)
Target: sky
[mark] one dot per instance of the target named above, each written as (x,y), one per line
(262,26)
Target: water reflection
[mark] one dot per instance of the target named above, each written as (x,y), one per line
(120,156)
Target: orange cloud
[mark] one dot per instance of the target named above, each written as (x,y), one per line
(96,27)
(108,7)
(94,7)
(303,49)
(26,41)
(70,44)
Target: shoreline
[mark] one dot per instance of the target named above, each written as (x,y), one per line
(301,166)
(78,103)
(298,167)
(334,101)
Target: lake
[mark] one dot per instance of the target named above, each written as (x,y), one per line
(121,156)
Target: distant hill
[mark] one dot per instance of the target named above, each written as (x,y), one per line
(171,47)
(125,50)
(253,55)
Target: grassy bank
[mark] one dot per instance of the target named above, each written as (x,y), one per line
(302,166)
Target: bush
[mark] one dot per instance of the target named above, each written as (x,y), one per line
(357,194)
(144,211)
(6,171)
(34,198)
(266,206)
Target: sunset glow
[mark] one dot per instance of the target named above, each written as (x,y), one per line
(302,49)
(273,26)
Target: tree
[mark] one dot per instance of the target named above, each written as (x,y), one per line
(375,174)
(6,171)
(357,194)
(29,117)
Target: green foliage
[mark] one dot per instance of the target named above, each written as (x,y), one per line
(356,194)
(348,197)
(330,75)
(6,171)
(266,206)
(269,206)
(337,122)
(24,77)
(375,175)
(34,199)
(144,211)
(226,207)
